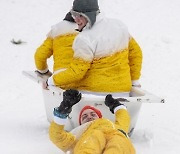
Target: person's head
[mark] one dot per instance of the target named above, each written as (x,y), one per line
(85,11)
(89,113)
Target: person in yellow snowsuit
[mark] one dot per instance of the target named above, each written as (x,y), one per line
(106,58)
(100,136)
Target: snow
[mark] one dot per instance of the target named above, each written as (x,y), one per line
(154,24)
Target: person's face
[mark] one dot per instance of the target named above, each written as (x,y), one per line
(88,115)
(80,20)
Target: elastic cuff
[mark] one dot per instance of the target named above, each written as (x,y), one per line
(43,71)
(60,121)
(119,108)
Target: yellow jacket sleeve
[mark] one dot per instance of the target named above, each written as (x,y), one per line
(135,59)
(122,120)
(75,72)
(43,53)
(60,137)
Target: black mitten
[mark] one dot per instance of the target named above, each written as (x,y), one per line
(111,102)
(70,98)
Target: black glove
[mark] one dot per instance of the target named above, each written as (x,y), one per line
(111,102)
(70,98)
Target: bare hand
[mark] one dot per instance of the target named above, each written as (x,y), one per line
(45,85)
(138,86)
(49,73)
(136,83)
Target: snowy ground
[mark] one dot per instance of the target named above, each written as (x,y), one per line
(154,24)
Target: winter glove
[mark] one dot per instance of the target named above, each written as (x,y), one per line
(112,103)
(70,98)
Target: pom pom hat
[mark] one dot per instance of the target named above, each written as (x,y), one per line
(92,108)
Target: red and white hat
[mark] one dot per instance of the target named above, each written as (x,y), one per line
(92,108)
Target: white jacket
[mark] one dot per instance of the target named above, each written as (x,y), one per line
(106,37)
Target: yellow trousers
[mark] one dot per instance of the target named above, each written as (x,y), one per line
(99,143)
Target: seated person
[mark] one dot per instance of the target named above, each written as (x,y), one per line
(100,136)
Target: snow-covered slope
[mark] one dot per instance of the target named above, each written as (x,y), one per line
(156,27)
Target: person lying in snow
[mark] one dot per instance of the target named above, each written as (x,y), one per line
(100,135)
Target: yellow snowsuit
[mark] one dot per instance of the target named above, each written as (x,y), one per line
(102,136)
(57,44)
(97,65)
